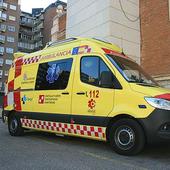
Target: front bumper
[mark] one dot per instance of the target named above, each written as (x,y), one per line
(157,126)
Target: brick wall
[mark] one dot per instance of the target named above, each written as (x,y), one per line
(155,33)
(13,23)
(14,45)
(62,27)
(49,14)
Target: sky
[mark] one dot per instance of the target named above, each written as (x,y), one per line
(27,5)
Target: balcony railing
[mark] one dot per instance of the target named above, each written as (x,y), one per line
(28,24)
(37,30)
(26,40)
(26,32)
(3,6)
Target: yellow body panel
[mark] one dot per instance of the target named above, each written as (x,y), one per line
(28,76)
(98,96)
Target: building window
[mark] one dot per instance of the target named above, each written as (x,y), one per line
(9,50)
(11,28)
(3,15)
(2,38)
(8,62)
(1,61)
(53,75)
(1,73)
(10,39)
(13,7)
(12,18)
(2,27)
(6,73)
(1,50)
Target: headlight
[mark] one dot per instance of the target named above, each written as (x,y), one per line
(158,103)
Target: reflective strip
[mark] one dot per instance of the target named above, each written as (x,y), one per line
(17,100)
(10,98)
(5,101)
(19,62)
(11,86)
(81,130)
(31,60)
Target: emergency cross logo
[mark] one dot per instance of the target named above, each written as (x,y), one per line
(53,73)
(41,99)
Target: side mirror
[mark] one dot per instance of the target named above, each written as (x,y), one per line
(106,79)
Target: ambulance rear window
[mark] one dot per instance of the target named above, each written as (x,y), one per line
(53,75)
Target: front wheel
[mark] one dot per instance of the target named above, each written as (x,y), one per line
(127,137)
(14,126)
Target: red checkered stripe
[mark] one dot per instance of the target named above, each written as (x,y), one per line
(31,60)
(82,130)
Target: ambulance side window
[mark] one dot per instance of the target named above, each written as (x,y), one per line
(90,70)
(53,75)
(95,72)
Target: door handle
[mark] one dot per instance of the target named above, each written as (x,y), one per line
(81,93)
(65,93)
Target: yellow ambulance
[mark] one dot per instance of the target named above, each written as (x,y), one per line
(86,88)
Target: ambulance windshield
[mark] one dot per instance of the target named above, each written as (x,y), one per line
(131,71)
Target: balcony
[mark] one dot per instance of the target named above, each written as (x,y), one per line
(1,53)
(42,17)
(2,29)
(41,26)
(25,50)
(3,6)
(26,32)
(2,41)
(3,18)
(37,30)
(38,22)
(26,40)
(28,24)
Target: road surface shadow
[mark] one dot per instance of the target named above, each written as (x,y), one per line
(161,151)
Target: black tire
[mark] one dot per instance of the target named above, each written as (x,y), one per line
(14,126)
(127,137)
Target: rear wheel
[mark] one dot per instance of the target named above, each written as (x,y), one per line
(14,126)
(127,137)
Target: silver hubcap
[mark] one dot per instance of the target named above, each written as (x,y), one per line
(13,125)
(124,137)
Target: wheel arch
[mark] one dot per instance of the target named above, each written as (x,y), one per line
(122,116)
(11,112)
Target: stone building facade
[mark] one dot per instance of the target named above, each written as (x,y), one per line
(116,21)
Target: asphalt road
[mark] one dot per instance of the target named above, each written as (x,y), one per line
(42,151)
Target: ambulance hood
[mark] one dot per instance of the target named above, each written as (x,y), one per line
(149,90)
